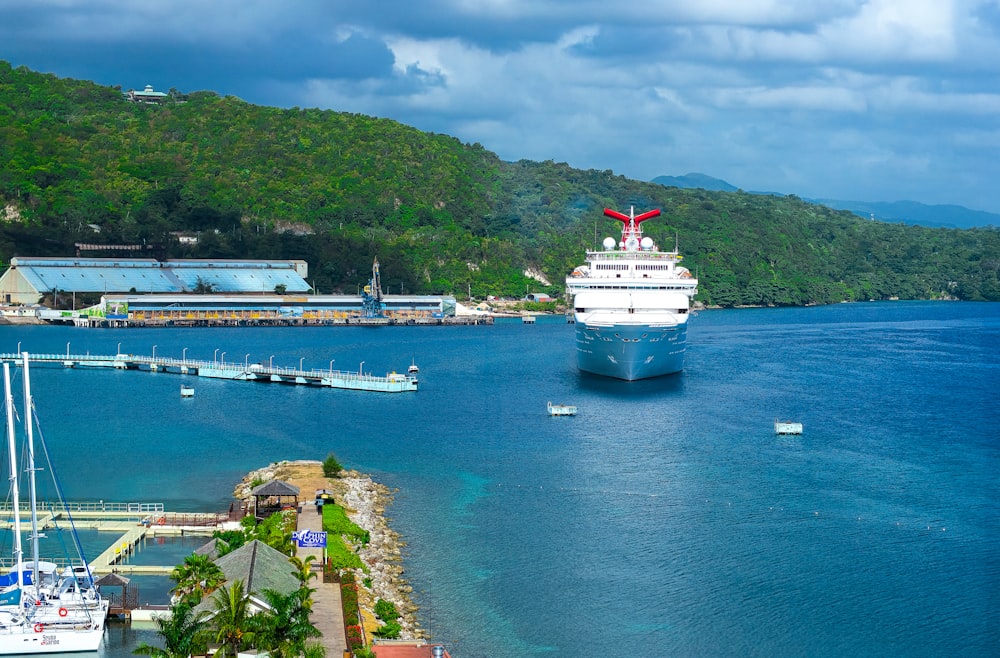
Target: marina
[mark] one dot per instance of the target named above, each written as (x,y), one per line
(130,523)
(392,382)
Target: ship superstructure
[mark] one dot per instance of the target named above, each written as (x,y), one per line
(631,305)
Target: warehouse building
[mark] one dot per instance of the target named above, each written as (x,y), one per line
(29,279)
(206,310)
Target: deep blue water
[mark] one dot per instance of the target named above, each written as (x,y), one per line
(665,519)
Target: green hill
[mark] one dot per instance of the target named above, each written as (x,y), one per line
(81,164)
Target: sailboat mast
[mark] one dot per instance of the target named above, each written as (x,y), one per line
(15,494)
(29,421)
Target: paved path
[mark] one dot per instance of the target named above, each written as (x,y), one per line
(328,612)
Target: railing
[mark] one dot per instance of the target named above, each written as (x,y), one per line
(96,506)
(7,563)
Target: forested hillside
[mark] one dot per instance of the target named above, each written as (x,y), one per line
(79,163)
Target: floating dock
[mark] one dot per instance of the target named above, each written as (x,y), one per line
(357,381)
(131,524)
(787,427)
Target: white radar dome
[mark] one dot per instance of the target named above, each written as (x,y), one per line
(609,243)
(647,242)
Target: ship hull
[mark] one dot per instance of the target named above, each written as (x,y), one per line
(630,352)
(40,639)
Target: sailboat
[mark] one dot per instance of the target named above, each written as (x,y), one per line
(42,609)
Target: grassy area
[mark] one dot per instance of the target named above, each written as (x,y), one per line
(338,526)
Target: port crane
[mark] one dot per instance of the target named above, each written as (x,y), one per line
(371,295)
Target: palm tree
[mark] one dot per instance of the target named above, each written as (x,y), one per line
(284,628)
(303,568)
(304,573)
(183,632)
(196,577)
(231,620)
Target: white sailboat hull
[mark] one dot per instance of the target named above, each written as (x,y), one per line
(33,640)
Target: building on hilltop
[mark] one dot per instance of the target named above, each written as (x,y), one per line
(29,279)
(147,95)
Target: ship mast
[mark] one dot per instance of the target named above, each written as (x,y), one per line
(18,552)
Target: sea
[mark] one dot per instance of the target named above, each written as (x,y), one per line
(665,519)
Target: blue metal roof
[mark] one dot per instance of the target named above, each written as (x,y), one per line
(152,276)
(226,279)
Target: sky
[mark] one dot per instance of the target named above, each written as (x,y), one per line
(867,100)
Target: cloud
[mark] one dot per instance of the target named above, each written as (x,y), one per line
(821,98)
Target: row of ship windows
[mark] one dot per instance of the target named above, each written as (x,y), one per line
(625,268)
(628,287)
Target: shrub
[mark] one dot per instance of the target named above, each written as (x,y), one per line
(354,636)
(349,599)
(335,522)
(339,556)
(389,630)
(386,610)
(332,467)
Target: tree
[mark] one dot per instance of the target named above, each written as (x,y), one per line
(203,287)
(331,467)
(196,577)
(182,631)
(303,569)
(231,620)
(280,289)
(284,628)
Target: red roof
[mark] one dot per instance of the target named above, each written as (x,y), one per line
(415,650)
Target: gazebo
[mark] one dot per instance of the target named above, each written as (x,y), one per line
(122,603)
(272,497)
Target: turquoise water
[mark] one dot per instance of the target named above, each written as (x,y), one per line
(664,519)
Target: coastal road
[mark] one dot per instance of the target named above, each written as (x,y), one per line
(328,612)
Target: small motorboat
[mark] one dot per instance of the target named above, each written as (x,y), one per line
(562,409)
(413,369)
(787,427)
(187,391)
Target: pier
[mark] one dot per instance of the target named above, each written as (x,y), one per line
(221,369)
(131,523)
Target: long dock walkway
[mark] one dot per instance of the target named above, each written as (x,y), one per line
(328,609)
(220,369)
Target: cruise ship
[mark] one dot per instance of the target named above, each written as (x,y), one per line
(631,305)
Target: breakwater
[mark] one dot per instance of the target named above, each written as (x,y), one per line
(365,502)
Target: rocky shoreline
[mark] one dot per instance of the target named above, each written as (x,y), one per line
(365,502)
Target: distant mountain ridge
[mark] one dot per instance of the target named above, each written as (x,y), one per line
(694,179)
(908,212)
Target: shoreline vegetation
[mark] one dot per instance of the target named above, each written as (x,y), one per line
(365,502)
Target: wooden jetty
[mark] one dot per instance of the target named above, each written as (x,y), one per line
(221,369)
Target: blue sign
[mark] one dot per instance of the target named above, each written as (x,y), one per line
(309,539)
